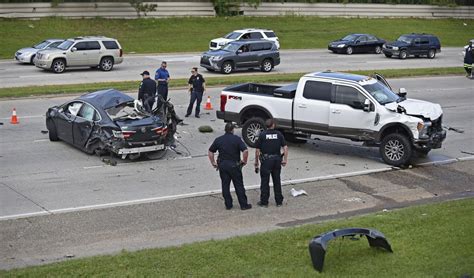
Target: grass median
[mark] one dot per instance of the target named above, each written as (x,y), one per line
(428,241)
(211,81)
(185,34)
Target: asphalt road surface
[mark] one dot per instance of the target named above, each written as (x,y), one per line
(13,74)
(40,177)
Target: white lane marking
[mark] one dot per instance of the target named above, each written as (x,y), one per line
(40,140)
(24,117)
(93,167)
(37,75)
(218,191)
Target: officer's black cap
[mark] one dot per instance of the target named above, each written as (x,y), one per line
(229,127)
(145,73)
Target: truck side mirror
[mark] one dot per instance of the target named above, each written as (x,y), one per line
(402,92)
(73,49)
(367,105)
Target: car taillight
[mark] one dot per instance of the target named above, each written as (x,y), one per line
(121,53)
(161,130)
(123,134)
(223,102)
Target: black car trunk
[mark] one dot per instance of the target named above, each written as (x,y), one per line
(142,130)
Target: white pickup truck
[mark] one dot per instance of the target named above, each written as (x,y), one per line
(343,105)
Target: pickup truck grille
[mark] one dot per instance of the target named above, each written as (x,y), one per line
(213,44)
(436,125)
(205,60)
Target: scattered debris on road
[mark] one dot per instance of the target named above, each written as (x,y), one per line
(109,161)
(205,128)
(296,193)
(44,131)
(454,129)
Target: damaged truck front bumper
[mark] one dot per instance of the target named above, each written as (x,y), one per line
(434,141)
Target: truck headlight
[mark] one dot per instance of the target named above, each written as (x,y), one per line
(217,58)
(423,128)
(341,45)
(395,48)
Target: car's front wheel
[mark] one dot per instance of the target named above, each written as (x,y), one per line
(251,130)
(378,49)
(106,64)
(349,50)
(32,60)
(431,54)
(402,55)
(267,65)
(396,149)
(226,67)
(58,66)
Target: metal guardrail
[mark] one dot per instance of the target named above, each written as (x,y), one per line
(170,9)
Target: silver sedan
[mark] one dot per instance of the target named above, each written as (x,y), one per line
(28,54)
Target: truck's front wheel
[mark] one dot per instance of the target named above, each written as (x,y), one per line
(251,130)
(396,149)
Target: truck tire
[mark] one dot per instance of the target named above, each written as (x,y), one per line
(396,149)
(106,64)
(403,54)
(431,54)
(292,138)
(227,67)
(58,66)
(266,65)
(251,129)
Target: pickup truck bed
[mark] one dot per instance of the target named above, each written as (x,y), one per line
(287,91)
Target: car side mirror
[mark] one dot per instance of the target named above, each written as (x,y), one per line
(402,92)
(239,51)
(367,105)
(357,42)
(73,49)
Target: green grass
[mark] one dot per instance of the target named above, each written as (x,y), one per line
(193,34)
(428,241)
(211,81)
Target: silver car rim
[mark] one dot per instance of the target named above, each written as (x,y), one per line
(267,66)
(378,50)
(403,54)
(253,131)
(58,66)
(227,68)
(106,64)
(431,54)
(349,50)
(394,150)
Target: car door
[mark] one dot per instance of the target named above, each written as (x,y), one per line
(83,124)
(372,42)
(256,36)
(243,58)
(93,53)
(311,108)
(417,48)
(361,44)
(347,117)
(383,80)
(77,56)
(65,121)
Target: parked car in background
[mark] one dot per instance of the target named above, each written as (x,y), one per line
(91,52)
(413,45)
(244,34)
(111,121)
(242,55)
(357,43)
(28,54)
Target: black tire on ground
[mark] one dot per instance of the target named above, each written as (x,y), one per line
(378,49)
(251,129)
(431,54)
(396,149)
(106,64)
(292,138)
(32,60)
(402,55)
(227,67)
(266,66)
(349,50)
(53,132)
(388,55)
(58,66)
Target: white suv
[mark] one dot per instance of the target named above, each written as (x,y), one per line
(91,52)
(244,34)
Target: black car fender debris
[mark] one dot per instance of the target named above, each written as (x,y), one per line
(318,245)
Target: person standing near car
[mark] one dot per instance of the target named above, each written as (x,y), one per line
(268,151)
(162,77)
(230,165)
(197,87)
(468,60)
(147,91)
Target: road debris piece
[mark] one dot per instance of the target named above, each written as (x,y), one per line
(454,129)
(109,161)
(69,256)
(471,153)
(44,131)
(205,129)
(296,193)
(318,245)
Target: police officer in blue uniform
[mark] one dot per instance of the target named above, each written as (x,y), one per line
(162,77)
(147,91)
(230,165)
(268,152)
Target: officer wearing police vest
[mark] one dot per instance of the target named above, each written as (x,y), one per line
(268,152)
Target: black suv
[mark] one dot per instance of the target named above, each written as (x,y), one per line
(413,44)
(242,55)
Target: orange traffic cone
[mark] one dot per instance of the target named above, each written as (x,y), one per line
(208,103)
(14,120)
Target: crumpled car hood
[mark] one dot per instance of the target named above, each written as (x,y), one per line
(417,107)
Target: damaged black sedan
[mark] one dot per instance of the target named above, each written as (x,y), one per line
(110,121)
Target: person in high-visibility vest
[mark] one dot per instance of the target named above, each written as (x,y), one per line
(468,59)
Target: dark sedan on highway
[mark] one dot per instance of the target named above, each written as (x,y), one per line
(357,43)
(110,121)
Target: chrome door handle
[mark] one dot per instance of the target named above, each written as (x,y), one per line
(335,111)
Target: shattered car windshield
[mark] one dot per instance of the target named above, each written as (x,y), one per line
(126,110)
(233,35)
(381,93)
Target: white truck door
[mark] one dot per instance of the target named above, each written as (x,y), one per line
(347,117)
(311,107)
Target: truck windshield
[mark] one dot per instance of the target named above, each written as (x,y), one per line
(381,93)
(405,39)
(233,35)
(231,47)
(65,45)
